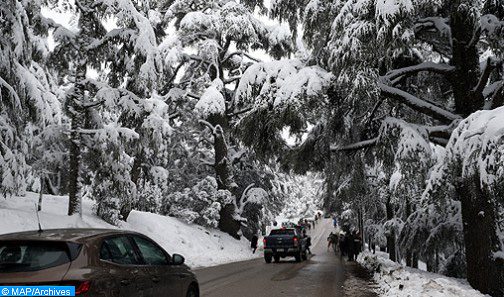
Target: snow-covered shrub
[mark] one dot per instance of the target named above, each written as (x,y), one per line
(200,204)
(112,189)
(149,197)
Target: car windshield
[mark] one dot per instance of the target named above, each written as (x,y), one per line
(31,255)
(282,232)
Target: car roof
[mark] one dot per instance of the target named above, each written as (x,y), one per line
(68,234)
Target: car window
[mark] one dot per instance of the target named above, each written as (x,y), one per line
(151,252)
(282,232)
(119,250)
(22,256)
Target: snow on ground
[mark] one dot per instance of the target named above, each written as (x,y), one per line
(397,280)
(200,246)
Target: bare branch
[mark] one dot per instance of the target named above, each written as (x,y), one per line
(172,78)
(475,38)
(442,132)
(489,67)
(208,125)
(232,79)
(397,74)
(193,96)
(93,104)
(241,54)
(355,146)
(417,103)
(239,112)
(174,115)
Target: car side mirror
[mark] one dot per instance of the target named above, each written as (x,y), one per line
(177,259)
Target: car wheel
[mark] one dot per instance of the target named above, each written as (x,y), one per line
(192,292)
(267,258)
(277,259)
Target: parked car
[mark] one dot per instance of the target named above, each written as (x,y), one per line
(285,242)
(98,262)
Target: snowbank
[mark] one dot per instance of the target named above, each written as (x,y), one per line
(396,280)
(200,246)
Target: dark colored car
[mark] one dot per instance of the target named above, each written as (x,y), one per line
(285,242)
(98,262)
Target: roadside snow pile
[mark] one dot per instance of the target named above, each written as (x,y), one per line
(200,246)
(396,280)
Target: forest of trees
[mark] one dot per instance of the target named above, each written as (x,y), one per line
(396,104)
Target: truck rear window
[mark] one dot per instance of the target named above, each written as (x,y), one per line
(282,232)
(22,256)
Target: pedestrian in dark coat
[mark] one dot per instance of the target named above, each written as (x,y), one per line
(342,246)
(308,244)
(253,243)
(351,246)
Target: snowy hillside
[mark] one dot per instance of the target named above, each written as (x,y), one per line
(200,246)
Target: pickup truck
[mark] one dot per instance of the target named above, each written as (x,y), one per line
(285,242)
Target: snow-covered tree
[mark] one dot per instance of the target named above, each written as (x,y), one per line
(28,92)
(119,125)
(221,34)
(384,54)
(200,204)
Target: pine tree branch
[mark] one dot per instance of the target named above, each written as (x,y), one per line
(417,104)
(241,54)
(232,79)
(355,146)
(239,112)
(491,64)
(11,90)
(208,125)
(395,75)
(93,104)
(193,96)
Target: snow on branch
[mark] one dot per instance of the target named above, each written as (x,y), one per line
(251,195)
(212,101)
(417,103)
(241,54)
(355,146)
(475,146)
(11,90)
(439,23)
(490,65)
(397,74)
(208,125)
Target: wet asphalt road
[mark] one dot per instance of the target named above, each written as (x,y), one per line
(323,274)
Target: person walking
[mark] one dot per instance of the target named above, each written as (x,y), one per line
(308,244)
(253,243)
(351,246)
(330,240)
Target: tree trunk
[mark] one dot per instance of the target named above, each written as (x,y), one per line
(414,260)
(391,238)
(224,176)
(74,105)
(484,272)
(409,252)
(41,194)
(465,59)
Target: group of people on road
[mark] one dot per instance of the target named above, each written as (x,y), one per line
(347,243)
